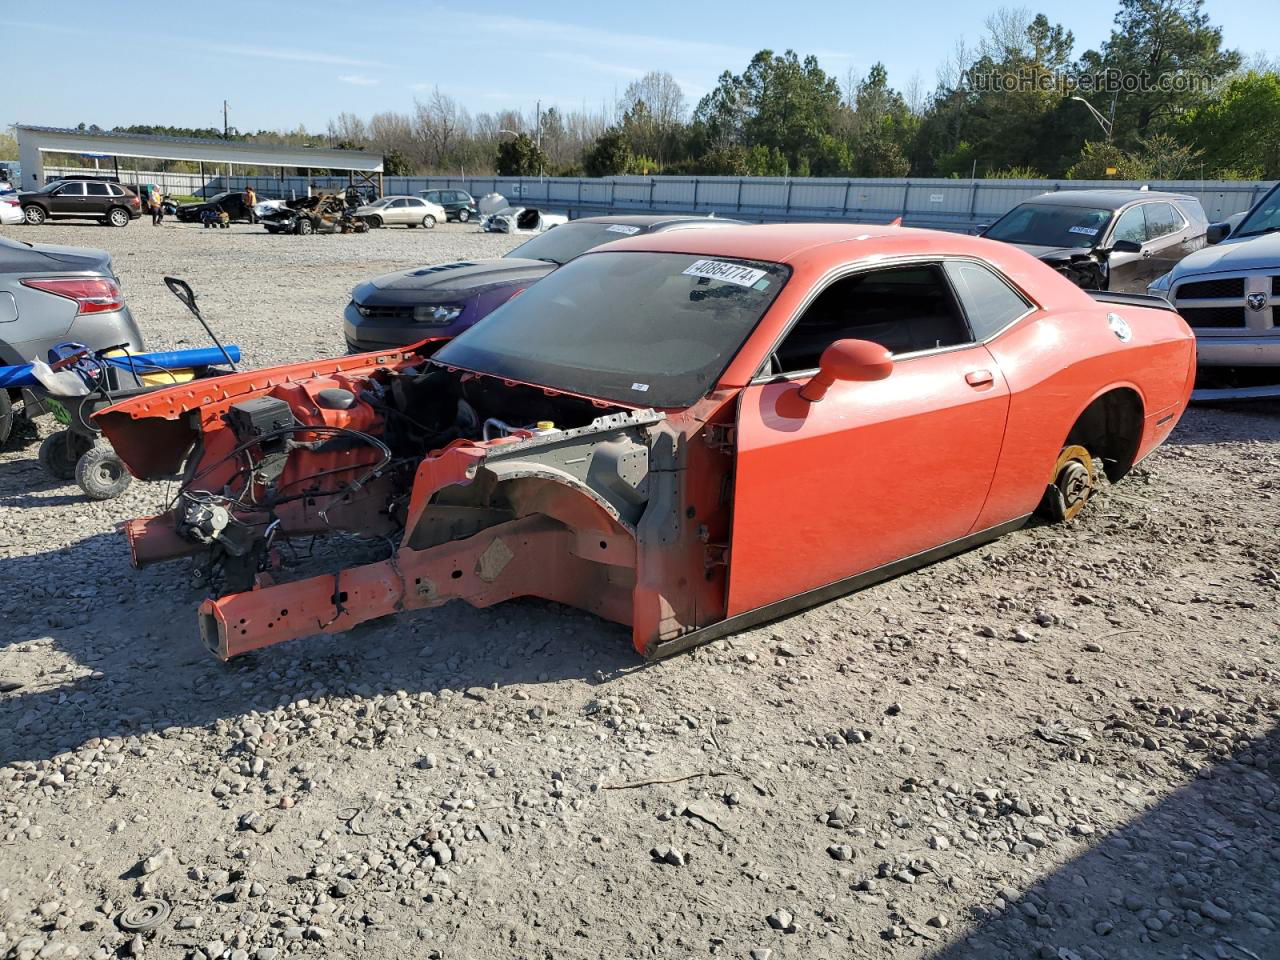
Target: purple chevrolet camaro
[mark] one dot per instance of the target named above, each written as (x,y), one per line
(398,309)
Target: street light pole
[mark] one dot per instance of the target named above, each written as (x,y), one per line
(1106,125)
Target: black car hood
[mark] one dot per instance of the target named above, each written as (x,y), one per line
(1054,254)
(449,281)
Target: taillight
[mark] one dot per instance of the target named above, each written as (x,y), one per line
(135,202)
(91,294)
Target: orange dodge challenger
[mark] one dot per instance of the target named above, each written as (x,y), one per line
(687,433)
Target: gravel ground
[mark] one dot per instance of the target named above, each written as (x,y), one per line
(1062,745)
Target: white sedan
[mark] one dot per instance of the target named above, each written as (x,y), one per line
(10,208)
(411,211)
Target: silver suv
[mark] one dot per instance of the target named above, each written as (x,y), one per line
(1229,294)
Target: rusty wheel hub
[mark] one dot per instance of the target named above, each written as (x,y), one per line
(1074,478)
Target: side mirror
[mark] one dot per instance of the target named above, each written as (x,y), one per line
(848,360)
(1126,246)
(1217,232)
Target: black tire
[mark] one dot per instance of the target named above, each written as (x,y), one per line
(118,217)
(6,417)
(59,453)
(305,228)
(101,474)
(374,222)
(429,222)
(35,214)
(464,215)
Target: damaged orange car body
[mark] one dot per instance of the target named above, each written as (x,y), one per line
(685,433)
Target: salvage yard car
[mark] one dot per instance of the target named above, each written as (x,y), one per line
(685,432)
(521,220)
(230,202)
(1230,295)
(79,199)
(444,299)
(1106,239)
(407,211)
(457,204)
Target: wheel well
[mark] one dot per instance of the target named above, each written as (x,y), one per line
(1111,428)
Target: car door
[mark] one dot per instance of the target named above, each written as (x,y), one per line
(398,211)
(69,200)
(97,199)
(1166,229)
(1130,272)
(874,472)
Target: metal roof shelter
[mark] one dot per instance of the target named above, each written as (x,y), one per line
(34,142)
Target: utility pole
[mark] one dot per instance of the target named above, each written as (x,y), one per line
(225,128)
(537,132)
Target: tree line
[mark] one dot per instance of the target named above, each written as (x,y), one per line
(1162,99)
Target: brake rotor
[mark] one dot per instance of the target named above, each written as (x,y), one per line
(143,916)
(1074,477)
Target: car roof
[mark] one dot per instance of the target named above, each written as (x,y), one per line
(1107,199)
(654,221)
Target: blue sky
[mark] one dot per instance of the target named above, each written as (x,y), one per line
(284,63)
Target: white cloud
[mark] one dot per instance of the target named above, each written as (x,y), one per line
(591,63)
(358,80)
(291,56)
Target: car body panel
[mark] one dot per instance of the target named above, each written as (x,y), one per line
(453,202)
(683,521)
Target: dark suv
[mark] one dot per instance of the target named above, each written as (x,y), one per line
(458,204)
(81,200)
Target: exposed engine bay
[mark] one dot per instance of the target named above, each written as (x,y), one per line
(516,490)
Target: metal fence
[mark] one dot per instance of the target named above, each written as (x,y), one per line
(940,203)
(946,204)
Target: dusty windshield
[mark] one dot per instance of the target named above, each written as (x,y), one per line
(1050,225)
(1265,217)
(569,240)
(648,329)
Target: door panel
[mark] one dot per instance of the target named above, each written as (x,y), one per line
(68,199)
(872,473)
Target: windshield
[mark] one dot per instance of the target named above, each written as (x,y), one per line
(648,329)
(1050,225)
(570,240)
(1264,218)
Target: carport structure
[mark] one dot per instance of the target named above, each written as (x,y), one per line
(34,142)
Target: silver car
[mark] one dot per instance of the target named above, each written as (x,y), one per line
(410,211)
(51,295)
(1229,294)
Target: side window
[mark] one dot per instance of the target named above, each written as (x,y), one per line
(1132,225)
(433,196)
(415,202)
(399,203)
(97,190)
(902,308)
(989,302)
(116,191)
(72,189)
(1162,220)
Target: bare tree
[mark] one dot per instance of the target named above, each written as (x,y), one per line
(391,131)
(653,111)
(348,128)
(438,123)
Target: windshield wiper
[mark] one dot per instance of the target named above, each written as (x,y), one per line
(558,263)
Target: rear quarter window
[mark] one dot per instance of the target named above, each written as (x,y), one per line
(990,303)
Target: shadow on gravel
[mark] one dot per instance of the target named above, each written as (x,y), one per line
(1196,876)
(138,664)
(1242,422)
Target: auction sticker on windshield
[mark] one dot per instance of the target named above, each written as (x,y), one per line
(1087,231)
(728,272)
(622,228)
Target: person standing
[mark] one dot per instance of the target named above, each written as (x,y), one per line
(251,201)
(156,203)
